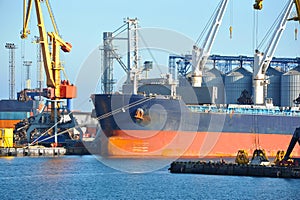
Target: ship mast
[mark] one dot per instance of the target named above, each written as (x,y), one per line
(109,53)
(132,64)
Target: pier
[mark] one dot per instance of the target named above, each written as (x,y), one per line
(219,168)
(33,151)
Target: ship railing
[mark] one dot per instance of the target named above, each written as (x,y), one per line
(159,96)
(251,111)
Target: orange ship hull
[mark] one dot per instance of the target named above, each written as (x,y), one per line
(193,144)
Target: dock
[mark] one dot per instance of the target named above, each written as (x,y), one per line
(33,151)
(219,168)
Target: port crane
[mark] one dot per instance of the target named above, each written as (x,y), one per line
(57,89)
(201,54)
(262,60)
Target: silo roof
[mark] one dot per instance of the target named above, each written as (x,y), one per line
(295,71)
(273,72)
(213,72)
(240,71)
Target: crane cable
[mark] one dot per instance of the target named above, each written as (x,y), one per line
(231,19)
(50,11)
(255,30)
(149,51)
(271,29)
(296,32)
(121,109)
(207,25)
(269,32)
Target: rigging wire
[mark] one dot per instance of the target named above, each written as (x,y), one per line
(52,17)
(149,51)
(120,30)
(208,24)
(121,109)
(255,29)
(269,32)
(296,31)
(22,61)
(231,19)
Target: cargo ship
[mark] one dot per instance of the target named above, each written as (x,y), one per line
(138,125)
(194,114)
(187,118)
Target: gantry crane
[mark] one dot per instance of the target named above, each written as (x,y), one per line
(200,55)
(57,89)
(262,60)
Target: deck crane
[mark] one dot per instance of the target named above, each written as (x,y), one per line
(58,89)
(200,55)
(296,136)
(287,160)
(262,60)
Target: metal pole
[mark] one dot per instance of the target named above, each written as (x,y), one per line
(55,122)
(11,47)
(128,50)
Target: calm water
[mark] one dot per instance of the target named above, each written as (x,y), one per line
(88,177)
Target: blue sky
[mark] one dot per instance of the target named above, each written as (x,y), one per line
(83,22)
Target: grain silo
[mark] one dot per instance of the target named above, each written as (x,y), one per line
(290,87)
(237,81)
(215,78)
(274,89)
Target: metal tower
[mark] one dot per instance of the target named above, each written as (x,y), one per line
(39,64)
(132,28)
(27,65)
(109,53)
(11,47)
(132,61)
(107,67)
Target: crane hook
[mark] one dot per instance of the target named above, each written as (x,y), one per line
(258,5)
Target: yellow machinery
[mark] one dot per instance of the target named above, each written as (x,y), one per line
(279,156)
(6,137)
(57,89)
(242,157)
(258,5)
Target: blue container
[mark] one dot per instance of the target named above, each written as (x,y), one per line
(15,106)
(14,115)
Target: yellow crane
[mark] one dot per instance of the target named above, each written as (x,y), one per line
(57,89)
(51,43)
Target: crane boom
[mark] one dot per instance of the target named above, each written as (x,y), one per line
(200,55)
(262,60)
(52,64)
